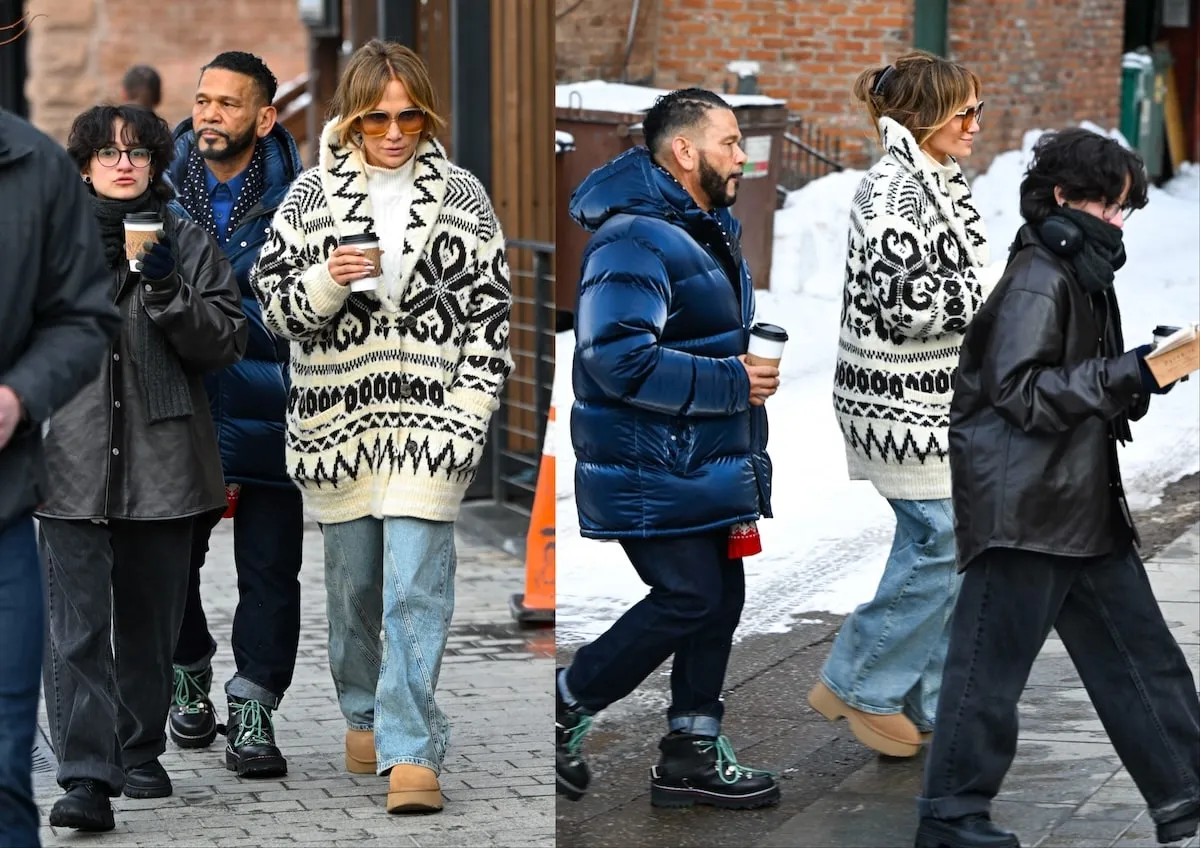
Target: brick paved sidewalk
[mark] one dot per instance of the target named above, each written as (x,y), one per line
(498,779)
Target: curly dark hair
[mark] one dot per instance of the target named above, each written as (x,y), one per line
(247,64)
(1084,165)
(93,130)
(678,110)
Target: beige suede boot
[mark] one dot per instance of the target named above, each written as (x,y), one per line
(413,789)
(893,735)
(360,751)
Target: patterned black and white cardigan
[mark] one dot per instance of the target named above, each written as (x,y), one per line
(390,401)
(911,288)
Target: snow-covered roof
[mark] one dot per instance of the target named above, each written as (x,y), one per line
(601,96)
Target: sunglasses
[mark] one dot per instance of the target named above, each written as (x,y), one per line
(109,157)
(970,116)
(410,122)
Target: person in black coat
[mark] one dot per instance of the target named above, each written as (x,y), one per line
(132,461)
(1045,390)
(56,319)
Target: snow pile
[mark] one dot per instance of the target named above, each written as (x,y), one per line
(826,547)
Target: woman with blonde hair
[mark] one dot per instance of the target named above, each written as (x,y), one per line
(396,371)
(916,244)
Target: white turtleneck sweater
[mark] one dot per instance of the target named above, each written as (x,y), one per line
(391,193)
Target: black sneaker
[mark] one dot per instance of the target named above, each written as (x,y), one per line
(570,726)
(703,770)
(974,831)
(84,807)
(192,722)
(250,750)
(149,780)
(1180,827)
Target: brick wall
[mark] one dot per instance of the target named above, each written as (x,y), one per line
(80,50)
(1042,65)
(591,36)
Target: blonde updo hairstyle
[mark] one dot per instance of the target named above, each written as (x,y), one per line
(365,78)
(919,91)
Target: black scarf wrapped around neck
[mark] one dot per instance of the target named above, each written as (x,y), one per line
(164,383)
(1096,251)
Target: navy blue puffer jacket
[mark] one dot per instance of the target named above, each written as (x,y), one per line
(665,440)
(248,398)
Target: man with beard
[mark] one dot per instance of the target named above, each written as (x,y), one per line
(232,168)
(669,430)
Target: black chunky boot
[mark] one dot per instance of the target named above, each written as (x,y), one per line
(84,807)
(570,726)
(193,722)
(250,750)
(1182,826)
(703,770)
(974,831)
(149,780)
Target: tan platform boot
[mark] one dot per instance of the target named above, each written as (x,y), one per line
(892,735)
(360,751)
(413,789)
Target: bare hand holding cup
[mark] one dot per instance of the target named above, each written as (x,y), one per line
(348,264)
(764,381)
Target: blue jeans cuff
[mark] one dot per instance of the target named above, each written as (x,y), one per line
(568,698)
(384,765)
(697,725)
(248,690)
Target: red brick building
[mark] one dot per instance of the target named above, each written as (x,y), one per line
(1041,64)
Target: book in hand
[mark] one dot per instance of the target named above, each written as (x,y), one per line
(1175,356)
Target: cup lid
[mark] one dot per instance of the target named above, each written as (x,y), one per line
(359,238)
(769,331)
(143,218)
(1163,330)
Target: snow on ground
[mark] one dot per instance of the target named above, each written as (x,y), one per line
(826,546)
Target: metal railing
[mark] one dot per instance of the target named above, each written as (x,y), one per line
(808,154)
(519,426)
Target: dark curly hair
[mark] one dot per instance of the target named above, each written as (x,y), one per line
(676,111)
(1084,165)
(249,65)
(93,130)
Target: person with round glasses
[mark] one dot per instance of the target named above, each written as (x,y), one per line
(397,368)
(131,461)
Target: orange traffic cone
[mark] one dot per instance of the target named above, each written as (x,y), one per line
(536,605)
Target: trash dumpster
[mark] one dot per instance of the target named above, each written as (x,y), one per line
(1143,98)
(604,119)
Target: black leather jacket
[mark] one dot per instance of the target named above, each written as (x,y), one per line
(104,458)
(1037,412)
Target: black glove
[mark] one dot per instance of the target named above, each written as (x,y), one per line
(1150,384)
(158,263)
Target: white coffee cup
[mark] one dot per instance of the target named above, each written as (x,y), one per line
(369,245)
(766,345)
(141,230)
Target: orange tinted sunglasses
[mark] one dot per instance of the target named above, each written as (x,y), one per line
(410,122)
(969,116)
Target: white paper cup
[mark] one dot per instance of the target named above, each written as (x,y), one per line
(766,345)
(370,247)
(137,235)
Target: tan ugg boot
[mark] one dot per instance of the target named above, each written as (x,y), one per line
(360,751)
(413,789)
(893,735)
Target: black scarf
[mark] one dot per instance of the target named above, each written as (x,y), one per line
(110,215)
(165,390)
(193,194)
(1096,251)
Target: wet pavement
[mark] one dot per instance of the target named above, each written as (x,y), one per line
(495,688)
(1066,788)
